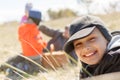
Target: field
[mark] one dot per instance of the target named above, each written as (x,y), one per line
(10,46)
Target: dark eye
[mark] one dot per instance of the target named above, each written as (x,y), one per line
(92,39)
(78,45)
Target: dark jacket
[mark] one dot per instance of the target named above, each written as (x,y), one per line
(109,63)
(57,37)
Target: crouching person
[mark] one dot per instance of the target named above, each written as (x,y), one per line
(31,40)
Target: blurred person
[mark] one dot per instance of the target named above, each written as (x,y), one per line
(98,51)
(32,45)
(28,7)
(30,37)
(58,39)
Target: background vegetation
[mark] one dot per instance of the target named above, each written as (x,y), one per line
(61,13)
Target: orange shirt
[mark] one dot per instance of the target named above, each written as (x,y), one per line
(31,40)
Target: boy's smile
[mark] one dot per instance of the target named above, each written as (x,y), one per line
(89,54)
(91,48)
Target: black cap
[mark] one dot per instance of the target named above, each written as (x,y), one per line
(82,27)
(35,16)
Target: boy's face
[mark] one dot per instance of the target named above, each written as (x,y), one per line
(91,48)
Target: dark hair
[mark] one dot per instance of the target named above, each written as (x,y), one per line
(36,21)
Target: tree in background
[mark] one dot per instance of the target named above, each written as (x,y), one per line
(86,3)
(61,13)
(111,5)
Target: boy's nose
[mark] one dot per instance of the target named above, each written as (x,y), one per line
(87,47)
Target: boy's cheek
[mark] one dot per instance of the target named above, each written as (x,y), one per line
(77,53)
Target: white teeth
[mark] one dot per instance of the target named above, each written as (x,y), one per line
(89,54)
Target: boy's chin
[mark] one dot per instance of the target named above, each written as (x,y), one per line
(92,62)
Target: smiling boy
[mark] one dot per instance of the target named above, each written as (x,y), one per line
(97,50)
(91,48)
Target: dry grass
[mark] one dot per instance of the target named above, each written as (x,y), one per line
(9,45)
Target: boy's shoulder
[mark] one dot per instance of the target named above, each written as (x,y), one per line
(114,44)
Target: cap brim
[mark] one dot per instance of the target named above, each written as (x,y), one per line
(68,47)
